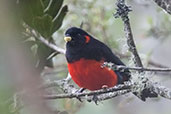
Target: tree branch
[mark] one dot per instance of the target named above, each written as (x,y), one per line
(165,4)
(118,88)
(162,91)
(47,43)
(122,11)
(104,94)
(121,67)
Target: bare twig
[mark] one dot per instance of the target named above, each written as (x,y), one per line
(126,86)
(165,4)
(115,91)
(47,43)
(162,91)
(112,95)
(122,12)
(100,97)
(121,67)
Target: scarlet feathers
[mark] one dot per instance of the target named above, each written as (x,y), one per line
(91,75)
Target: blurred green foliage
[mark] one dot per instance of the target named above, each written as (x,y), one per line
(45,17)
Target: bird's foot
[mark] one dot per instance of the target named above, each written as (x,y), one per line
(95,99)
(80,91)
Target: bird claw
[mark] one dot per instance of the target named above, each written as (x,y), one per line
(95,99)
(80,91)
(79,99)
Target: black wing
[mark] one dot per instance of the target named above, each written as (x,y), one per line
(109,56)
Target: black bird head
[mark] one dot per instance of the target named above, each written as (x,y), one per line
(76,37)
(79,44)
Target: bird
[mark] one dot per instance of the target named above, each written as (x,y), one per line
(85,56)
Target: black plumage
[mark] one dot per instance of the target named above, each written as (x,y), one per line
(94,50)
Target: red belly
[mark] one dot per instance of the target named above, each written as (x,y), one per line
(90,75)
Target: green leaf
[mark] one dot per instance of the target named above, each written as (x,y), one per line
(43,53)
(40,15)
(44,25)
(54,8)
(30,9)
(45,3)
(58,21)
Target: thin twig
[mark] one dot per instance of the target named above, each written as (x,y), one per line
(165,4)
(115,91)
(121,67)
(47,43)
(112,95)
(125,86)
(162,91)
(100,97)
(122,12)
